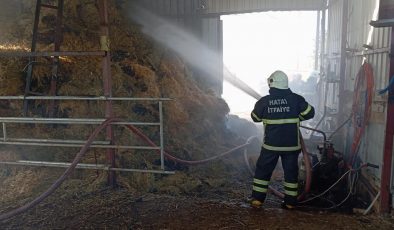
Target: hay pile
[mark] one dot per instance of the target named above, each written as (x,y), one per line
(194,121)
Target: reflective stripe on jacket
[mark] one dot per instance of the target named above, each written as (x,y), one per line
(281,112)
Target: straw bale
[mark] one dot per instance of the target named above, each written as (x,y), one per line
(193,120)
(10,76)
(21,184)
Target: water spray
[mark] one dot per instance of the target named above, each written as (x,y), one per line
(189,47)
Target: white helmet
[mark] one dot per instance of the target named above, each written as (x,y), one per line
(279,80)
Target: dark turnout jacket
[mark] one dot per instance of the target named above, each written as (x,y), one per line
(281,112)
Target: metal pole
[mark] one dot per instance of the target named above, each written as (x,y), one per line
(31,60)
(342,71)
(84,121)
(317,40)
(81,166)
(323,37)
(161,135)
(47,144)
(106,63)
(77,98)
(56,60)
(4,132)
(52,53)
(388,141)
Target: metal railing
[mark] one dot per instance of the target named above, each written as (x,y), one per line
(5,139)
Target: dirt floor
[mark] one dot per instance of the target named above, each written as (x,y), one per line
(204,207)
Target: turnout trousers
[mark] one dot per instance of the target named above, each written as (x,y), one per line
(266,165)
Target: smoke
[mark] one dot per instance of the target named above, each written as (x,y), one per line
(10,12)
(190,48)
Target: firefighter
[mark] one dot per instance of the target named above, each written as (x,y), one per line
(281,112)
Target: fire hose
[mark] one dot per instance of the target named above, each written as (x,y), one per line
(245,88)
(249,140)
(175,159)
(82,153)
(62,178)
(139,133)
(308,170)
(360,116)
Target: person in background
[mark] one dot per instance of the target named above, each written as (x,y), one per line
(281,112)
(296,83)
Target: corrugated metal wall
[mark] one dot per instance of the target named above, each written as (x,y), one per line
(359,34)
(212,37)
(333,51)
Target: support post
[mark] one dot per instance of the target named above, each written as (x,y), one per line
(107,84)
(317,40)
(385,184)
(161,135)
(322,107)
(342,70)
(56,60)
(29,73)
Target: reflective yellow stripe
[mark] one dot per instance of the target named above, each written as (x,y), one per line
(262,182)
(274,148)
(291,193)
(302,118)
(298,135)
(258,189)
(306,111)
(290,185)
(281,121)
(255,116)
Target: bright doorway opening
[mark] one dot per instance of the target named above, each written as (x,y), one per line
(256,44)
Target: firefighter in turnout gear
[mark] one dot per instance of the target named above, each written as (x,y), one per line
(281,112)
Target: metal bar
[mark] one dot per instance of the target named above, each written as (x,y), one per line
(29,72)
(61,164)
(107,81)
(112,147)
(161,135)
(323,38)
(56,60)
(34,120)
(52,54)
(317,40)
(4,132)
(142,170)
(370,52)
(56,141)
(49,6)
(382,23)
(342,70)
(388,141)
(82,98)
(316,130)
(81,166)
(52,164)
(322,54)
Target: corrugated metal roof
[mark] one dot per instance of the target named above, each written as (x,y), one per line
(219,7)
(242,6)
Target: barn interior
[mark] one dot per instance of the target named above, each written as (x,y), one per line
(137,114)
